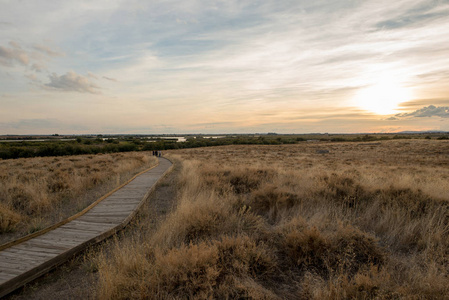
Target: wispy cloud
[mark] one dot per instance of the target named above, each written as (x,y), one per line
(48,51)
(110,79)
(46,125)
(72,82)
(38,67)
(32,123)
(11,55)
(417,15)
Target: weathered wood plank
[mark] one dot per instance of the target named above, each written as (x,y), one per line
(131,203)
(113,209)
(112,205)
(39,248)
(87,228)
(118,214)
(88,223)
(19,259)
(4,277)
(77,231)
(57,240)
(11,267)
(14,270)
(93,219)
(48,244)
(30,253)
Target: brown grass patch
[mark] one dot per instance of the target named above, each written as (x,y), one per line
(363,221)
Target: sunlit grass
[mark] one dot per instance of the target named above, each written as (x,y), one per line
(363,221)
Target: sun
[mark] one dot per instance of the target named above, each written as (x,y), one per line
(382,98)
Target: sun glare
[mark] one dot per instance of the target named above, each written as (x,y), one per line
(382,98)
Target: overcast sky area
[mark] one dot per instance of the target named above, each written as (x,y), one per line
(348,66)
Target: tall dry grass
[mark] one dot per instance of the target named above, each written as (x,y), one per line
(365,221)
(35,192)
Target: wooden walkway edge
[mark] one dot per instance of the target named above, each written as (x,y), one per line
(32,257)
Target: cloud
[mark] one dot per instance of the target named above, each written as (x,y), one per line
(110,79)
(38,67)
(392,119)
(92,75)
(14,54)
(37,125)
(428,111)
(47,50)
(410,20)
(34,56)
(32,77)
(72,82)
(32,123)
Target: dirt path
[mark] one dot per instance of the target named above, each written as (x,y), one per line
(77,278)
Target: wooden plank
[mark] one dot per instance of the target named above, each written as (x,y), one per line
(78,232)
(116,209)
(87,228)
(113,218)
(114,213)
(117,205)
(47,245)
(70,238)
(20,259)
(82,222)
(112,205)
(40,249)
(4,277)
(126,197)
(30,253)
(126,193)
(60,241)
(92,219)
(86,225)
(14,270)
(19,263)
(129,202)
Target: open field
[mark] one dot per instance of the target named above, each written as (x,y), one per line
(38,192)
(312,220)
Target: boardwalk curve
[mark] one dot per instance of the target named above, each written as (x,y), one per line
(29,259)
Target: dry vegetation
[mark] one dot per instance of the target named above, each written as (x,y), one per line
(272,222)
(36,192)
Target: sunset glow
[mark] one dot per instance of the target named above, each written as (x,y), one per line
(383,98)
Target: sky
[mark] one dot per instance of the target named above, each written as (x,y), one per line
(116,66)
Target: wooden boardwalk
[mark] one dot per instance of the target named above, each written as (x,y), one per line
(21,263)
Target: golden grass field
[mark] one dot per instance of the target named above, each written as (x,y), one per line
(365,221)
(37,192)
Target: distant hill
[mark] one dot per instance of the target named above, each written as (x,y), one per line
(422,132)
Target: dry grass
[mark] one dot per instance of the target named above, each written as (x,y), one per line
(35,192)
(272,222)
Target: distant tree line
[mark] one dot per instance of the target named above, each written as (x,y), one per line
(81,145)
